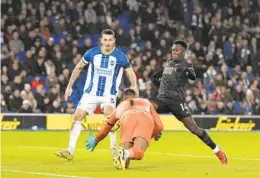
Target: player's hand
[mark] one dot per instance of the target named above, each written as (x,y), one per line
(135,89)
(91,143)
(158,136)
(68,92)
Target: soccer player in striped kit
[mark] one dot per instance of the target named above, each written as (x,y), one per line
(106,66)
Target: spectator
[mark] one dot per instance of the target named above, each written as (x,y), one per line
(50,67)
(30,63)
(16,45)
(69,109)
(209,75)
(26,107)
(229,110)
(89,13)
(40,98)
(3,104)
(14,70)
(17,83)
(49,48)
(238,94)
(36,82)
(203,108)
(94,26)
(120,38)
(220,108)
(55,107)
(53,94)
(86,47)
(250,75)
(15,101)
(223,47)
(51,80)
(256,107)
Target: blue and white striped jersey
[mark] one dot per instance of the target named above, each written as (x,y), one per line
(104,71)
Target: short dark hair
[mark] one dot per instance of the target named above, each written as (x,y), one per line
(108,32)
(129,92)
(182,43)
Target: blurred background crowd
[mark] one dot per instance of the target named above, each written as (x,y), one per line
(42,41)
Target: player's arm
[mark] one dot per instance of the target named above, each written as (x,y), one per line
(132,77)
(158,125)
(156,77)
(87,57)
(130,73)
(107,127)
(75,74)
(190,73)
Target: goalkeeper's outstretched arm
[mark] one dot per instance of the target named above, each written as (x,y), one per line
(107,127)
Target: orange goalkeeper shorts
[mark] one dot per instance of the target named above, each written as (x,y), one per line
(136,124)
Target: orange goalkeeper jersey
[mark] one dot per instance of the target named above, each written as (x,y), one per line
(127,107)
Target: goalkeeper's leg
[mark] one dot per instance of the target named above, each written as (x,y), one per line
(135,153)
(139,135)
(127,145)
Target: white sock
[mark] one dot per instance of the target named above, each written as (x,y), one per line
(217,149)
(127,154)
(112,136)
(74,135)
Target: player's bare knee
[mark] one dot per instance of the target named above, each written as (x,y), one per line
(79,115)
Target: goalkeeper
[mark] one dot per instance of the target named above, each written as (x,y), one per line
(139,124)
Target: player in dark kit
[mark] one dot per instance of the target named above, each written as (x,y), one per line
(171,95)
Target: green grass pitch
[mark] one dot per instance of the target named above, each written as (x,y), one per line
(28,154)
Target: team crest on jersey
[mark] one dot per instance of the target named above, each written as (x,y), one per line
(112,63)
(169,70)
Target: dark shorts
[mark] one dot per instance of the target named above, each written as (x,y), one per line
(178,108)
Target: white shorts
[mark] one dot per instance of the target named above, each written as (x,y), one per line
(89,103)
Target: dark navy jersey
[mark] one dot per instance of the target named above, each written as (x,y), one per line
(172,79)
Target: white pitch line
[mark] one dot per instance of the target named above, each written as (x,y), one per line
(55,148)
(42,173)
(180,155)
(151,153)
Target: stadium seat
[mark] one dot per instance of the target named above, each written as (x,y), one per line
(95,39)
(124,50)
(30,78)
(141,44)
(81,42)
(21,55)
(236,106)
(124,21)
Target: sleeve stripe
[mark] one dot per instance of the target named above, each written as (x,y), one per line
(110,124)
(86,62)
(127,65)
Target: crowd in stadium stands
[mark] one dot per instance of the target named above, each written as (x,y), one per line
(42,41)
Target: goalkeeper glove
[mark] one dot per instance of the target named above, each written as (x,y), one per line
(158,136)
(91,143)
